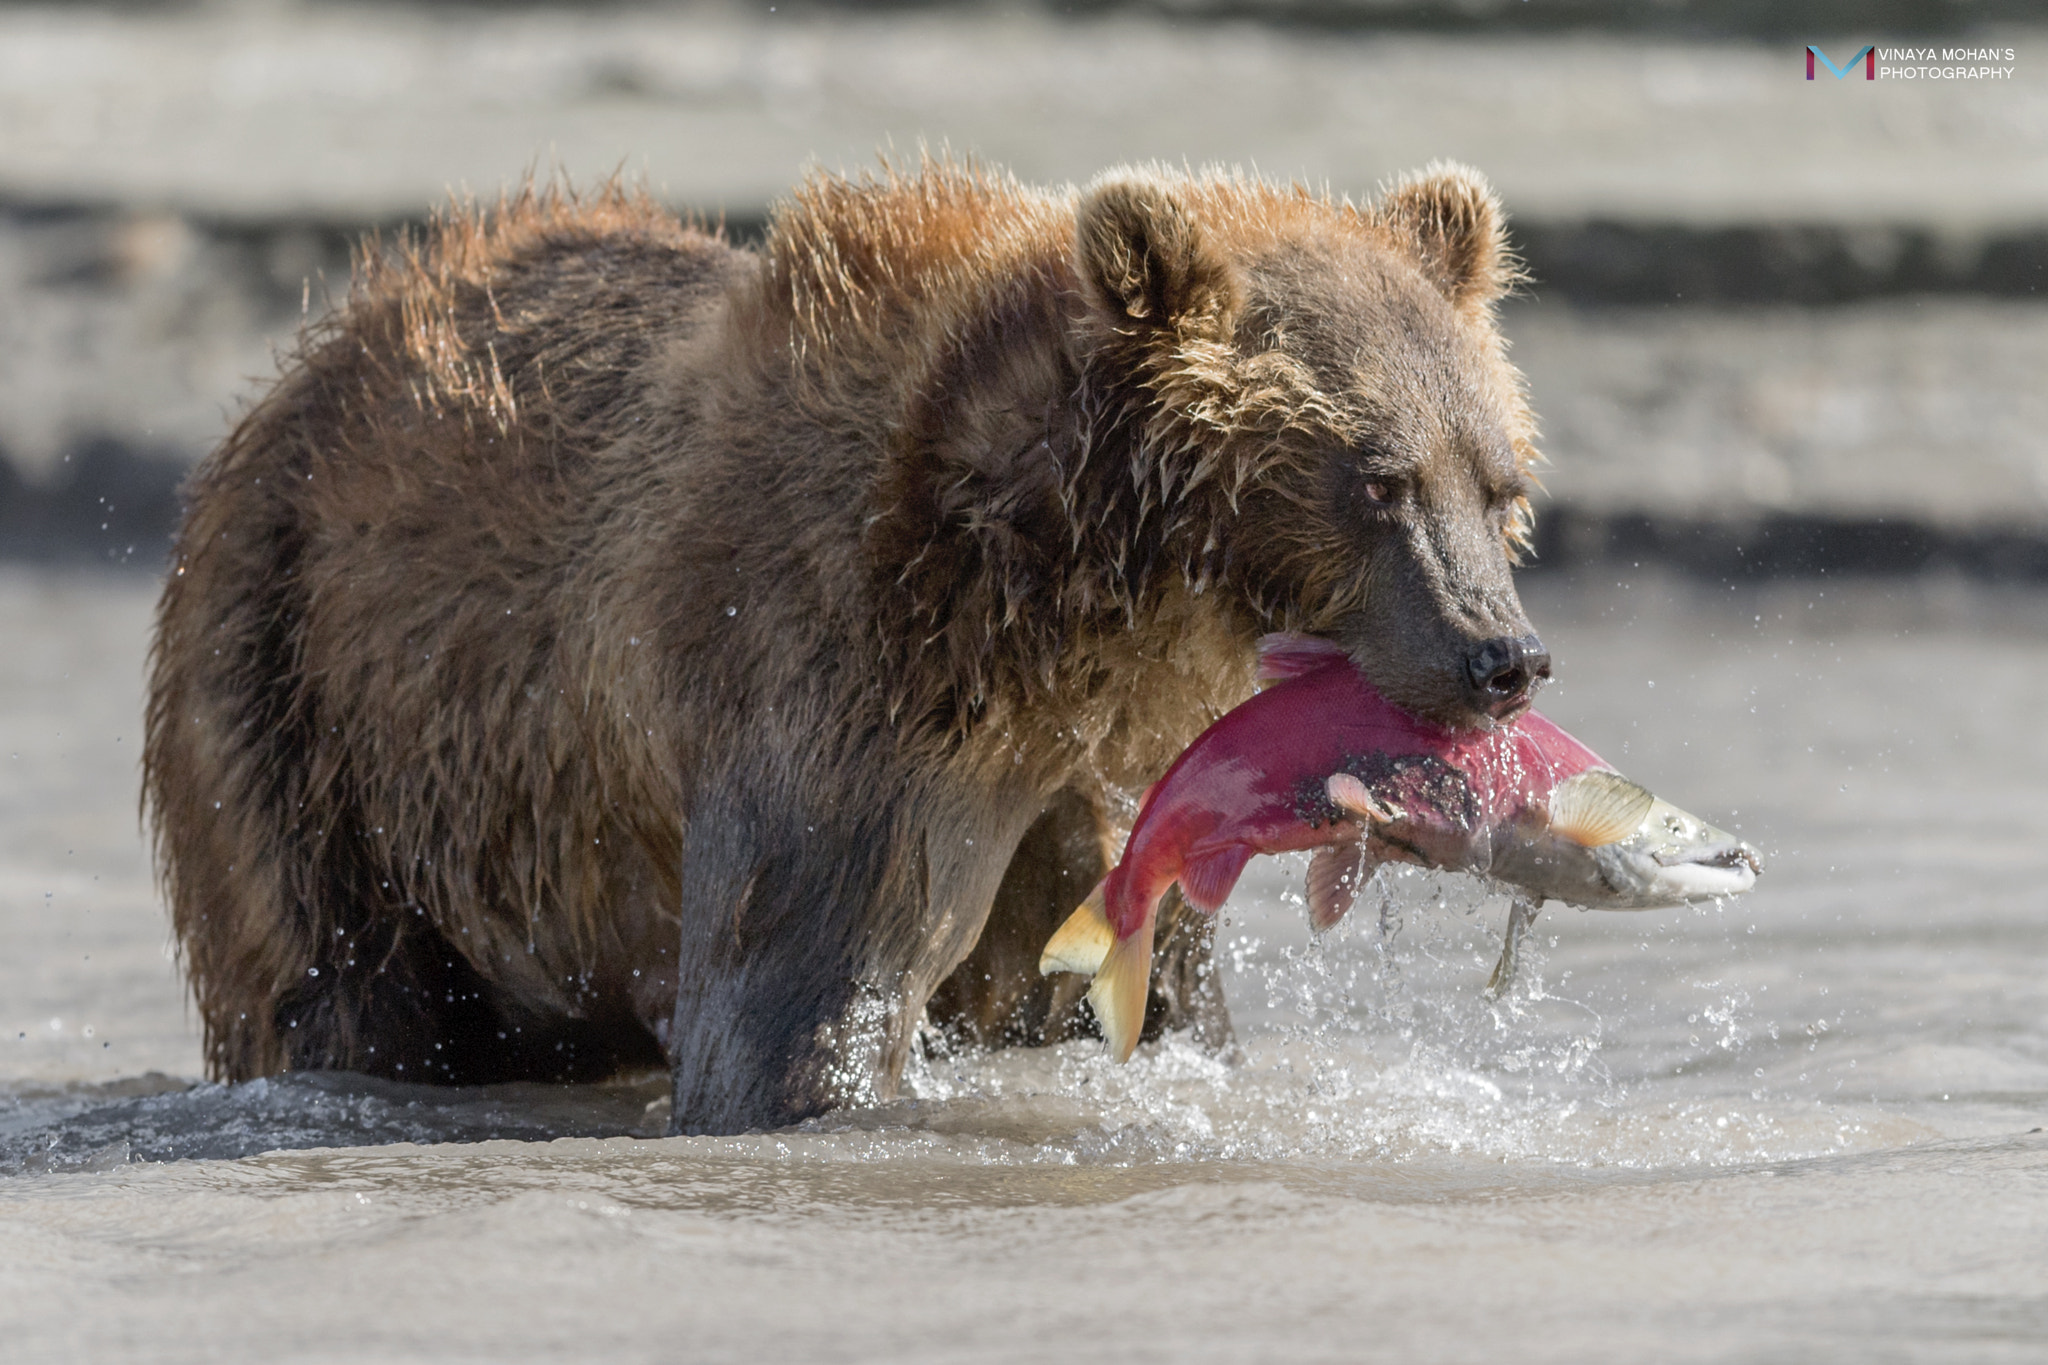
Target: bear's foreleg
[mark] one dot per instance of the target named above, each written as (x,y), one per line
(814,928)
(997,997)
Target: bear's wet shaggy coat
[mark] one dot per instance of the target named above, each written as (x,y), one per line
(605,646)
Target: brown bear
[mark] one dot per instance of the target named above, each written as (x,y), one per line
(609,647)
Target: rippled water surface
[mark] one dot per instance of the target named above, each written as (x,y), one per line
(1804,1125)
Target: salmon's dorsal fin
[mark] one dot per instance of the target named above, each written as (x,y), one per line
(1206,882)
(1284,655)
(1598,807)
(1334,875)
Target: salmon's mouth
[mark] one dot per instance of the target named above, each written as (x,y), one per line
(1700,870)
(1729,856)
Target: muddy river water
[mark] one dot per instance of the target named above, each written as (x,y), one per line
(1805,1125)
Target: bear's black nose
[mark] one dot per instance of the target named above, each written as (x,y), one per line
(1500,673)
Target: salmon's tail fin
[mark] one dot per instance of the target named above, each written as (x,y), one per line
(1118,993)
(1080,944)
(1122,969)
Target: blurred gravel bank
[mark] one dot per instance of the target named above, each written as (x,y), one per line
(1777,324)
(268,110)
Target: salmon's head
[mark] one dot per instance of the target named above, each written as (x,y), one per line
(1598,840)
(1336,373)
(1604,842)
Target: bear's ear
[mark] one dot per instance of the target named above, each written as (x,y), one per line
(1453,224)
(1143,257)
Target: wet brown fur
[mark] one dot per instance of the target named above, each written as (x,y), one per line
(605,647)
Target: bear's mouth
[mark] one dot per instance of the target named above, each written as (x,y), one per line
(1501,712)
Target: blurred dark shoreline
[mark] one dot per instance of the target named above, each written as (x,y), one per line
(1586,263)
(117,508)
(1761,20)
(111,497)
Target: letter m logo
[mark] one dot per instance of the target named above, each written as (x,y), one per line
(1868,57)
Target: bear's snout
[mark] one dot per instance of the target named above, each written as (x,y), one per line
(1501,674)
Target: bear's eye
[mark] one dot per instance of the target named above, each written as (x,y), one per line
(1382,492)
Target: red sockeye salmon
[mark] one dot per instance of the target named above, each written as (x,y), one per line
(1320,760)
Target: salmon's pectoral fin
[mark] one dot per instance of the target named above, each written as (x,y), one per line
(1521,916)
(1206,882)
(1335,874)
(1349,794)
(1080,944)
(1596,808)
(1119,990)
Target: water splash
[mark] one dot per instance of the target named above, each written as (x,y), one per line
(1374,1041)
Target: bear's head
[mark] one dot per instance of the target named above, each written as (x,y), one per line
(1320,404)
